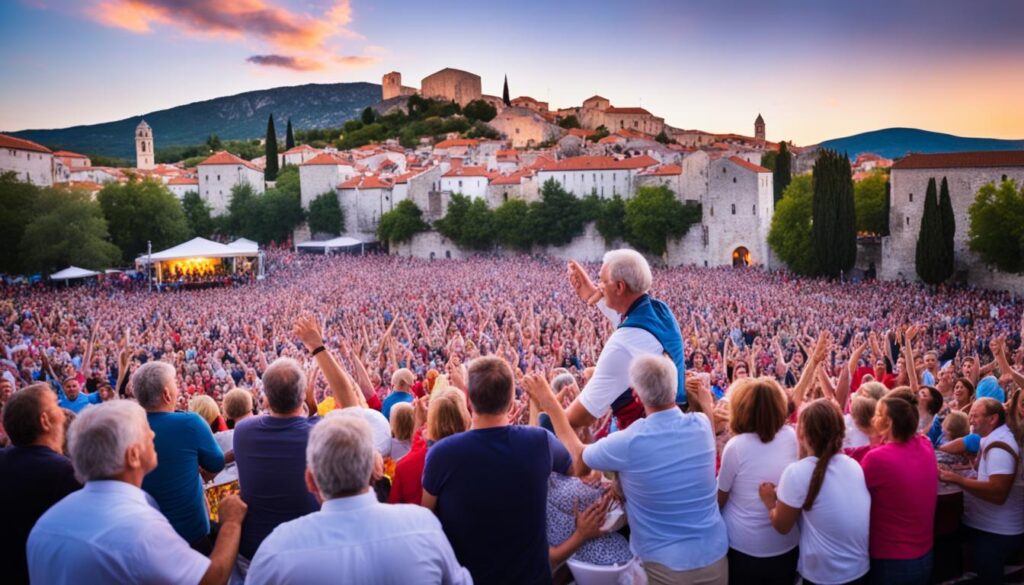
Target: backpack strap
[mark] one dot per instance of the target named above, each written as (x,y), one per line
(1005,447)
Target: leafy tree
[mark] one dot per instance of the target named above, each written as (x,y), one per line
(663,138)
(948,227)
(888,206)
(611,220)
(483,130)
(141,211)
(243,212)
(558,217)
(18,201)
(289,138)
(996,232)
(869,204)
(280,212)
(782,171)
(833,231)
(654,215)
(326,215)
(368,116)
(288,180)
(67,229)
(599,133)
(478,232)
(512,224)
(504,94)
(569,121)
(768,160)
(401,223)
(270,170)
(480,110)
(930,255)
(197,215)
(99,160)
(213,143)
(790,232)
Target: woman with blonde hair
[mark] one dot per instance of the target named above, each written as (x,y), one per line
(446,415)
(237,405)
(761,448)
(207,408)
(825,493)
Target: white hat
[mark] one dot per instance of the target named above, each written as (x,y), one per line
(378,424)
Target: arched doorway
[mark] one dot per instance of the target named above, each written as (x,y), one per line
(740,257)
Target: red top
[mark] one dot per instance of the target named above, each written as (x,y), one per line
(407,485)
(903,484)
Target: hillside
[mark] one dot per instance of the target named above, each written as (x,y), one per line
(896,142)
(233,117)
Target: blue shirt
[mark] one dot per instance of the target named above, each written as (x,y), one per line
(184,443)
(666,465)
(270,455)
(84,399)
(491,487)
(392,399)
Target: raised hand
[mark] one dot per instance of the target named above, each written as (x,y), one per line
(540,391)
(580,282)
(309,331)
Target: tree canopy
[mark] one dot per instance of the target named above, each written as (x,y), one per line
(654,215)
(834,231)
(869,200)
(67,228)
(401,223)
(141,211)
(996,231)
(790,232)
(326,215)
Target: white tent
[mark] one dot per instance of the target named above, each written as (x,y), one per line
(248,247)
(200,248)
(342,242)
(72,272)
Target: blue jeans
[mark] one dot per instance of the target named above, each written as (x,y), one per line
(902,571)
(991,551)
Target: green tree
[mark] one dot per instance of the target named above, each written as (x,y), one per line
(834,230)
(504,94)
(243,212)
(888,206)
(197,215)
(782,171)
(67,229)
(401,223)
(790,232)
(270,170)
(996,231)
(289,138)
(768,159)
(869,204)
(558,217)
(611,220)
(468,222)
(326,215)
(280,212)
(930,254)
(654,215)
(141,211)
(213,143)
(18,201)
(569,121)
(479,110)
(599,133)
(512,224)
(368,116)
(948,228)
(662,137)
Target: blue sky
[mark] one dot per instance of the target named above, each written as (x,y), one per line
(815,70)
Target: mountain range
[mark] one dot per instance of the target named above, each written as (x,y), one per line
(233,117)
(897,142)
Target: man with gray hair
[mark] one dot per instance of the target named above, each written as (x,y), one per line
(186,446)
(644,326)
(666,467)
(353,538)
(110,531)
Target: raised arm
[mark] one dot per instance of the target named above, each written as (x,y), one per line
(998,347)
(908,354)
(807,376)
(309,331)
(537,387)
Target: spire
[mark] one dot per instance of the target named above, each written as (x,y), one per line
(504,94)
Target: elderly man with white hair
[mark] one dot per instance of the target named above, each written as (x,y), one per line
(644,326)
(111,531)
(186,446)
(353,538)
(666,467)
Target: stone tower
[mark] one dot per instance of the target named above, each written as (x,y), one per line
(759,128)
(144,146)
(391,86)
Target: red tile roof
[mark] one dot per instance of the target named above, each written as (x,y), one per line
(613,139)
(667,171)
(226,158)
(614,110)
(511,179)
(183,181)
(457,142)
(513,154)
(327,158)
(586,163)
(748,166)
(90,186)
(298,149)
(581,133)
(21,144)
(958,160)
(466,172)
(524,98)
(364,182)
(68,154)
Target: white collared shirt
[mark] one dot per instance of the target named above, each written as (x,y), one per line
(358,540)
(110,532)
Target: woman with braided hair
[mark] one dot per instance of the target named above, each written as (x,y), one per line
(825,492)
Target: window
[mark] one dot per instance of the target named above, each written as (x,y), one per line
(723,170)
(908,220)
(563,179)
(734,179)
(595,177)
(143,147)
(636,124)
(712,211)
(218,177)
(460,183)
(753,209)
(734,209)
(622,124)
(911,197)
(1004,177)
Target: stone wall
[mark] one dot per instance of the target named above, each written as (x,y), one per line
(429,245)
(451,84)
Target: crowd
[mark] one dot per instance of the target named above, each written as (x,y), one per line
(684,425)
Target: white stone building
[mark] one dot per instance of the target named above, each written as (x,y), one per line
(220,173)
(144,153)
(604,175)
(737,214)
(322,174)
(469,181)
(524,127)
(299,154)
(30,162)
(364,199)
(966,173)
(455,85)
(72,160)
(181,185)
(101,175)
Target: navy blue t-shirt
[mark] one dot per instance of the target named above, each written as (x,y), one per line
(492,487)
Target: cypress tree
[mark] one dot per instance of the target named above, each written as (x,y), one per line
(289,139)
(782,173)
(846,235)
(929,254)
(888,205)
(823,208)
(270,170)
(504,94)
(948,230)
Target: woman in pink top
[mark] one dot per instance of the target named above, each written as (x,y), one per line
(902,478)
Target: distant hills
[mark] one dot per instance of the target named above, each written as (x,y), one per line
(897,142)
(233,117)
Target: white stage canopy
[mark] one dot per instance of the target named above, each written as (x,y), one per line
(202,248)
(245,246)
(72,272)
(342,242)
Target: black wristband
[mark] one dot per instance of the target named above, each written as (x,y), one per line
(318,350)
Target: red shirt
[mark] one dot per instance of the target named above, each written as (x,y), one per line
(903,484)
(407,485)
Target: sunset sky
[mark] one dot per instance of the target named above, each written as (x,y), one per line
(815,70)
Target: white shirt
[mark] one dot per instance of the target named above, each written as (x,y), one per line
(854,437)
(110,532)
(746,464)
(834,532)
(225,442)
(611,376)
(358,540)
(1007,519)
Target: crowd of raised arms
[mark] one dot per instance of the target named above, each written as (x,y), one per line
(520,420)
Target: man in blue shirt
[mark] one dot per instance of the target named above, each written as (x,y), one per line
(666,467)
(71,397)
(401,390)
(184,445)
(488,485)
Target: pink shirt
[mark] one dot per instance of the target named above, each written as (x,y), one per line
(903,481)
